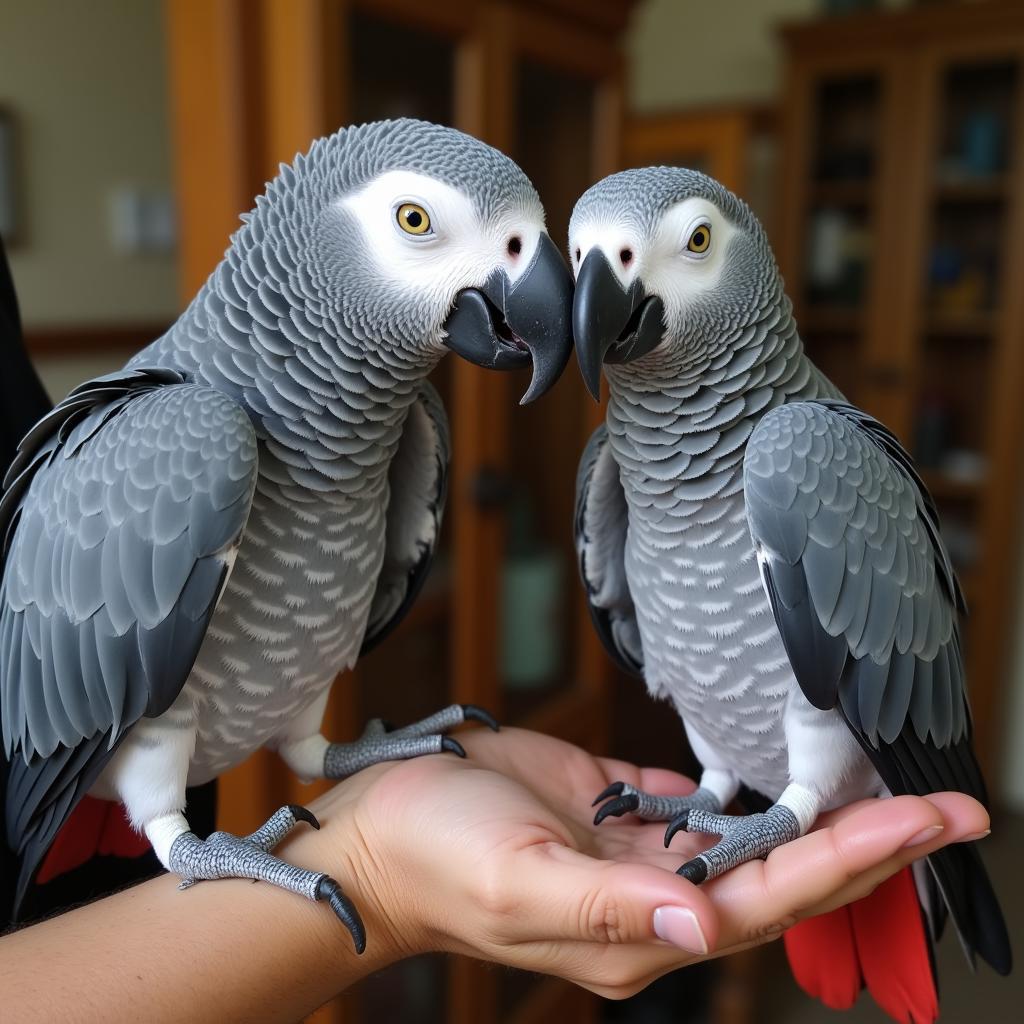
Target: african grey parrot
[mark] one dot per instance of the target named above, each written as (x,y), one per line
(763,554)
(196,545)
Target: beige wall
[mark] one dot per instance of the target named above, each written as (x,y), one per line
(86,81)
(686,53)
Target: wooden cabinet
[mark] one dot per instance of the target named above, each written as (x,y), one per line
(901,237)
(252,83)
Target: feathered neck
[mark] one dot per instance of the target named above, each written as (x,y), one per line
(685,440)
(328,409)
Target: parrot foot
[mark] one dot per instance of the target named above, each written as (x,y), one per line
(223,855)
(380,742)
(744,837)
(627,800)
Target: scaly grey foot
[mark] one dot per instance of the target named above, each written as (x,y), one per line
(380,743)
(744,837)
(629,800)
(223,855)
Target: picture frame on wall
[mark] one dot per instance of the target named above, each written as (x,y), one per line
(10,220)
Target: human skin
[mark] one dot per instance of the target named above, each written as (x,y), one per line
(493,857)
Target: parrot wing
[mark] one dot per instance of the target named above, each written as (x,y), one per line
(418,482)
(119,524)
(866,600)
(601,528)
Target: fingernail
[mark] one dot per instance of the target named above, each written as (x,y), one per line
(680,926)
(924,836)
(975,836)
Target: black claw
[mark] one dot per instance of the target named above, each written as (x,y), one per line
(452,746)
(470,712)
(677,824)
(328,889)
(299,813)
(694,871)
(615,789)
(619,806)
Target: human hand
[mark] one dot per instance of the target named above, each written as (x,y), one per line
(496,857)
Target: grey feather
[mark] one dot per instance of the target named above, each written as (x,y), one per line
(863,607)
(601,525)
(418,485)
(92,668)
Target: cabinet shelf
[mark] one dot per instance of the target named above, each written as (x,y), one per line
(944,487)
(857,192)
(977,190)
(821,319)
(978,324)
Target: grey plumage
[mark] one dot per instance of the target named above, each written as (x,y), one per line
(111,576)
(200,543)
(764,553)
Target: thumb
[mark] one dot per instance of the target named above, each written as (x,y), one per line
(560,894)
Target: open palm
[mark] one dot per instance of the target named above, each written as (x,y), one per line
(497,857)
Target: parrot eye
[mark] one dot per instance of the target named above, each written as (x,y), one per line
(413,219)
(700,239)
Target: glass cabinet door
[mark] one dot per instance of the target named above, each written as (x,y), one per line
(539,587)
(962,288)
(843,174)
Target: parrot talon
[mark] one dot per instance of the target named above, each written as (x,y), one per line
(621,805)
(223,855)
(744,837)
(299,813)
(328,889)
(677,824)
(695,871)
(473,713)
(450,746)
(650,806)
(615,789)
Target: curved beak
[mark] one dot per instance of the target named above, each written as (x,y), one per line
(611,324)
(505,325)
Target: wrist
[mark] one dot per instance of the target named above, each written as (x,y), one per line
(347,848)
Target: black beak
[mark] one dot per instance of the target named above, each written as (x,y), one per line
(504,325)
(610,324)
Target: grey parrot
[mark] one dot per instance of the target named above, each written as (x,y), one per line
(765,555)
(196,545)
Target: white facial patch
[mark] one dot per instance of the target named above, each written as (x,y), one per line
(615,239)
(458,251)
(674,272)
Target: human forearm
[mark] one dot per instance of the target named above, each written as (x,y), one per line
(224,950)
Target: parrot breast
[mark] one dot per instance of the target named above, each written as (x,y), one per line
(710,641)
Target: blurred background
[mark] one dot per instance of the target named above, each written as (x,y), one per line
(882,143)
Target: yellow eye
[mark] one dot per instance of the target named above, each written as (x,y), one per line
(413,219)
(700,239)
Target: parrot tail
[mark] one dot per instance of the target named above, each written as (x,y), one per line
(879,943)
(95,828)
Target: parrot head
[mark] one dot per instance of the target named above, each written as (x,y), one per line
(418,237)
(670,266)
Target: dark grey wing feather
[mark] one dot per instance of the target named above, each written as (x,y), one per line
(866,601)
(121,517)
(418,484)
(601,527)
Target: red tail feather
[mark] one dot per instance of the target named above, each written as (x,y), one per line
(878,942)
(95,828)
(823,957)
